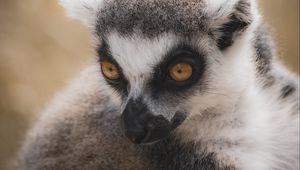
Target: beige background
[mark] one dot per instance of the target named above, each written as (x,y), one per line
(40,50)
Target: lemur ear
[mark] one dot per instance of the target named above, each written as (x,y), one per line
(84,10)
(230,18)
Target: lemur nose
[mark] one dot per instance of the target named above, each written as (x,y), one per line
(141,126)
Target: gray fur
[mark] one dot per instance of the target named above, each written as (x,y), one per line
(151,18)
(288,90)
(81,128)
(264,55)
(91,138)
(266,65)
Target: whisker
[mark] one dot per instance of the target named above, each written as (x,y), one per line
(216,93)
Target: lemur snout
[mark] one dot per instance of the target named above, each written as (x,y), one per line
(142,126)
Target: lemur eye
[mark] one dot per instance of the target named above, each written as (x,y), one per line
(110,70)
(181,71)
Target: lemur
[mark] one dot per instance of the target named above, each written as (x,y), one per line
(178,85)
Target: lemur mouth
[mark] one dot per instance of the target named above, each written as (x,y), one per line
(163,130)
(143,127)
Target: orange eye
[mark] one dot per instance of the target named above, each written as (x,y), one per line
(110,70)
(181,72)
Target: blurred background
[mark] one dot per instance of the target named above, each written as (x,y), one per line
(40,50)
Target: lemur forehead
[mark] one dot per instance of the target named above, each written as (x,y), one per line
(150,17)
(138,56)
(153,17)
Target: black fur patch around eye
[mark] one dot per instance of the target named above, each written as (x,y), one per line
(162,82)
(121,84)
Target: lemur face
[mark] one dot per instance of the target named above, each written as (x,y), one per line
(155,77)
(165,59)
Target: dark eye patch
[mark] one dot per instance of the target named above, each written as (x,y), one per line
(121,84)
(162,82)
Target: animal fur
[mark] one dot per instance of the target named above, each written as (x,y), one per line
(243,113)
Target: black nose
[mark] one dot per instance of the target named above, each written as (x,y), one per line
(141,126)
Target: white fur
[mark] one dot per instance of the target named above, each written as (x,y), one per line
(138,56)
(84,10)
(257,127)
(215,5)
(263,132)
(265,136)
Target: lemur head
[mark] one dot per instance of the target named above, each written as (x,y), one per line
(170,60)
